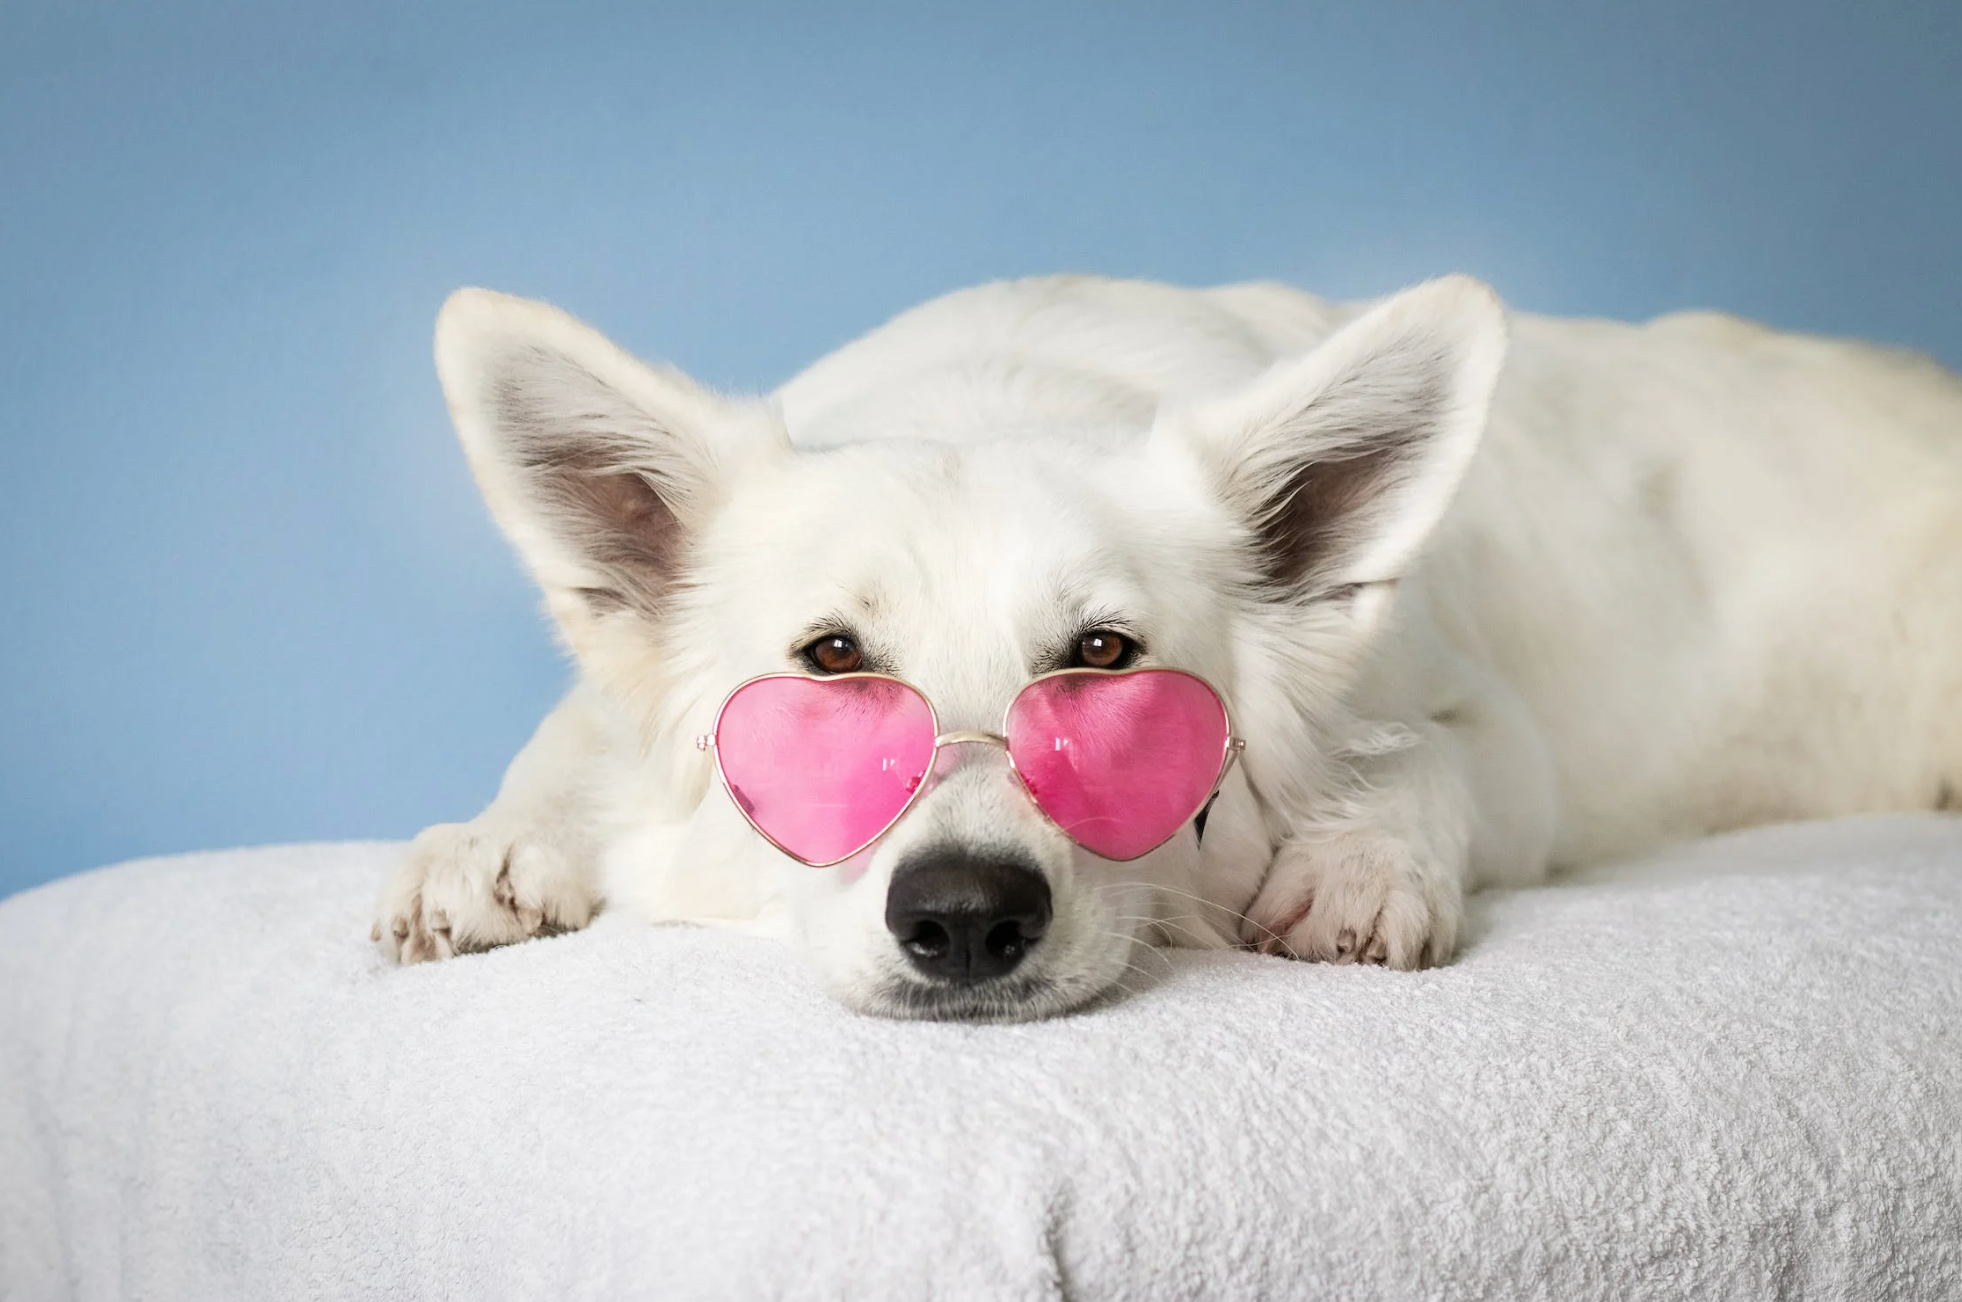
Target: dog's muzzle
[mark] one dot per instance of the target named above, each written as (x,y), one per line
(964,917)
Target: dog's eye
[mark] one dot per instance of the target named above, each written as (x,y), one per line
(1102,649)
(834,653)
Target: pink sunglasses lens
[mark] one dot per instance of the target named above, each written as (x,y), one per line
(1119,761)
(821,767)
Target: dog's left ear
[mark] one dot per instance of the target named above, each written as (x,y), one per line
(600,468)
(1341,462)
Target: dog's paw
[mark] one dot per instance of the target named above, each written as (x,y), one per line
(1356,897)
(469,886)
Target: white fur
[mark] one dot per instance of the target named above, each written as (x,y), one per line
(1696,575)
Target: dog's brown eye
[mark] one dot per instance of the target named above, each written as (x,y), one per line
(834,654)
(1102,649)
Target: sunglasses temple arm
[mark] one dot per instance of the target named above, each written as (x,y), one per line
(1234,746)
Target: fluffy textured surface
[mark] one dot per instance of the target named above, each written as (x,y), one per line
(1732,1072)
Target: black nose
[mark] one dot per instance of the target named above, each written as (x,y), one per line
(964,916)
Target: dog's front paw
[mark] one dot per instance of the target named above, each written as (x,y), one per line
(1356,897)
(471,886)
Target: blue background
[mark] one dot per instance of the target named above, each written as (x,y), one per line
(247,592)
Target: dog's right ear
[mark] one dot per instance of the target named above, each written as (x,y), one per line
(599,467)
(1340,462)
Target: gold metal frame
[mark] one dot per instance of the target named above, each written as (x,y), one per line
(968,736)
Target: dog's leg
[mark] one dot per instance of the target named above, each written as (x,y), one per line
(1380,876)
(523,867)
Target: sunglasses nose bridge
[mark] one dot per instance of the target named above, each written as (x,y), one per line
(970,737)
(955,749)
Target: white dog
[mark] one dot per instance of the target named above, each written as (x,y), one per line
(1687,576)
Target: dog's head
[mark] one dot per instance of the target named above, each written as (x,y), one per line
(685,545)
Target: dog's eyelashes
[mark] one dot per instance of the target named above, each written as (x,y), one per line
(1102,648)
(834,653)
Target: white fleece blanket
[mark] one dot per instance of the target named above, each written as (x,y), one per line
(1732,1073)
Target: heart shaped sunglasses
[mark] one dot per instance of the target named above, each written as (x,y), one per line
(1117,759)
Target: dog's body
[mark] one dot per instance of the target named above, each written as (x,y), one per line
(1697,575)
